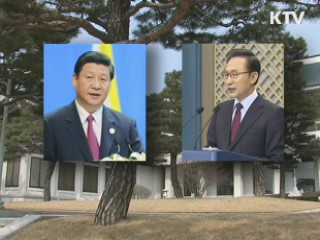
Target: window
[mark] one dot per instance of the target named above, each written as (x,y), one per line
(225,179)
(38,172)
(13,173)
(90,179)
(66,176)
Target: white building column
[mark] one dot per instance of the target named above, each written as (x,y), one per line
(101,178)
(238,187)
(156,191)
(54,181)
(276,181)
(316,163)
(25,162)
(151,179)
(4,172)
(168,184)
(78,184)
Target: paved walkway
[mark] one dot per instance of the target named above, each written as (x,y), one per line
(12,221)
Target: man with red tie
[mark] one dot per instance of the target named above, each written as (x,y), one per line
(86,130)
(247,124)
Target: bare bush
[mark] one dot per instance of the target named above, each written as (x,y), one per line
(140,192)
(199,176)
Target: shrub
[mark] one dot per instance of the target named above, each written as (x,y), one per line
(140,192)
(306,196)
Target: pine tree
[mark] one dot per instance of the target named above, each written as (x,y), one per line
(21,68)
(170,22)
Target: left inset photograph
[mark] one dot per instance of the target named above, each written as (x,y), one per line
(94,102)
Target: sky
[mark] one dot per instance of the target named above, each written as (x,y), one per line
(310,32)
(161,61)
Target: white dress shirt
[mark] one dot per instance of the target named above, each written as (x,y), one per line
(246,103)
(97,123)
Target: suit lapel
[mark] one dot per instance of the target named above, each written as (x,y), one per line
(109,131)
(227,123)
(254,112)
(74,126)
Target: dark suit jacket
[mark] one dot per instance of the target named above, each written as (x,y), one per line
(261,132)
(65,140)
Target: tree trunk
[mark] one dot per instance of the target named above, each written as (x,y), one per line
(114,203)
(282,180)
(117,22)
(258,179)
(3,130)
(174,176)
(47,180)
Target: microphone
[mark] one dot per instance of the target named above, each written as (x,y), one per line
(199,111)
(215,110)
(127,142)
(117,143)
(136,156)
(113,156)
(116,140)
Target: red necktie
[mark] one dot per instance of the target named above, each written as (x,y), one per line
(92,139)
(236,122)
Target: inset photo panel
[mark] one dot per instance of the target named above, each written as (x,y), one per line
(94,102)
(233,102)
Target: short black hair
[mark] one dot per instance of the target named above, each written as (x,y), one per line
(253,63)
(94,57)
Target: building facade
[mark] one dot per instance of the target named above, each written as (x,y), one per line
(23,180)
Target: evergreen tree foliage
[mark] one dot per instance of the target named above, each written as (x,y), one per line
(21,61)
(169,22)
(164,117)
(164,125)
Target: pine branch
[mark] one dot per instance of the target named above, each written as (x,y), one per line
(153,5)
(23,96)
(297,2)
(215,21)
(58,22)
(67,7)
(86,25)
(182,11)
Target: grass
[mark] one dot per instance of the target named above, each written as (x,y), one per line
(191,205)
(231,218)
(183,226)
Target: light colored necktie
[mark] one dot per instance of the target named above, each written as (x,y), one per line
(92,139)
(236,122)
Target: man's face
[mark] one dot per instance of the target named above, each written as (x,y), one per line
(243,85)
(92,86)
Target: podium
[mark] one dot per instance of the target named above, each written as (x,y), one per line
(216,156)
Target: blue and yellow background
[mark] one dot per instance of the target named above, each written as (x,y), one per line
(128,90)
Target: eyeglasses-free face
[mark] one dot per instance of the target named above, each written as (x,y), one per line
(92,85)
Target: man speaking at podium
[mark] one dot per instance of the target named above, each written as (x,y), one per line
(248,124)
(85,130)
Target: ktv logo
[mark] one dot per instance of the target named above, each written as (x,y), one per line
(289,17)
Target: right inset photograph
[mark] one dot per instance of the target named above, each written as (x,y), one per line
(233,98)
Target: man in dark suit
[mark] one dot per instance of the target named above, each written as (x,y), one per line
(248,124)
(85,130)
